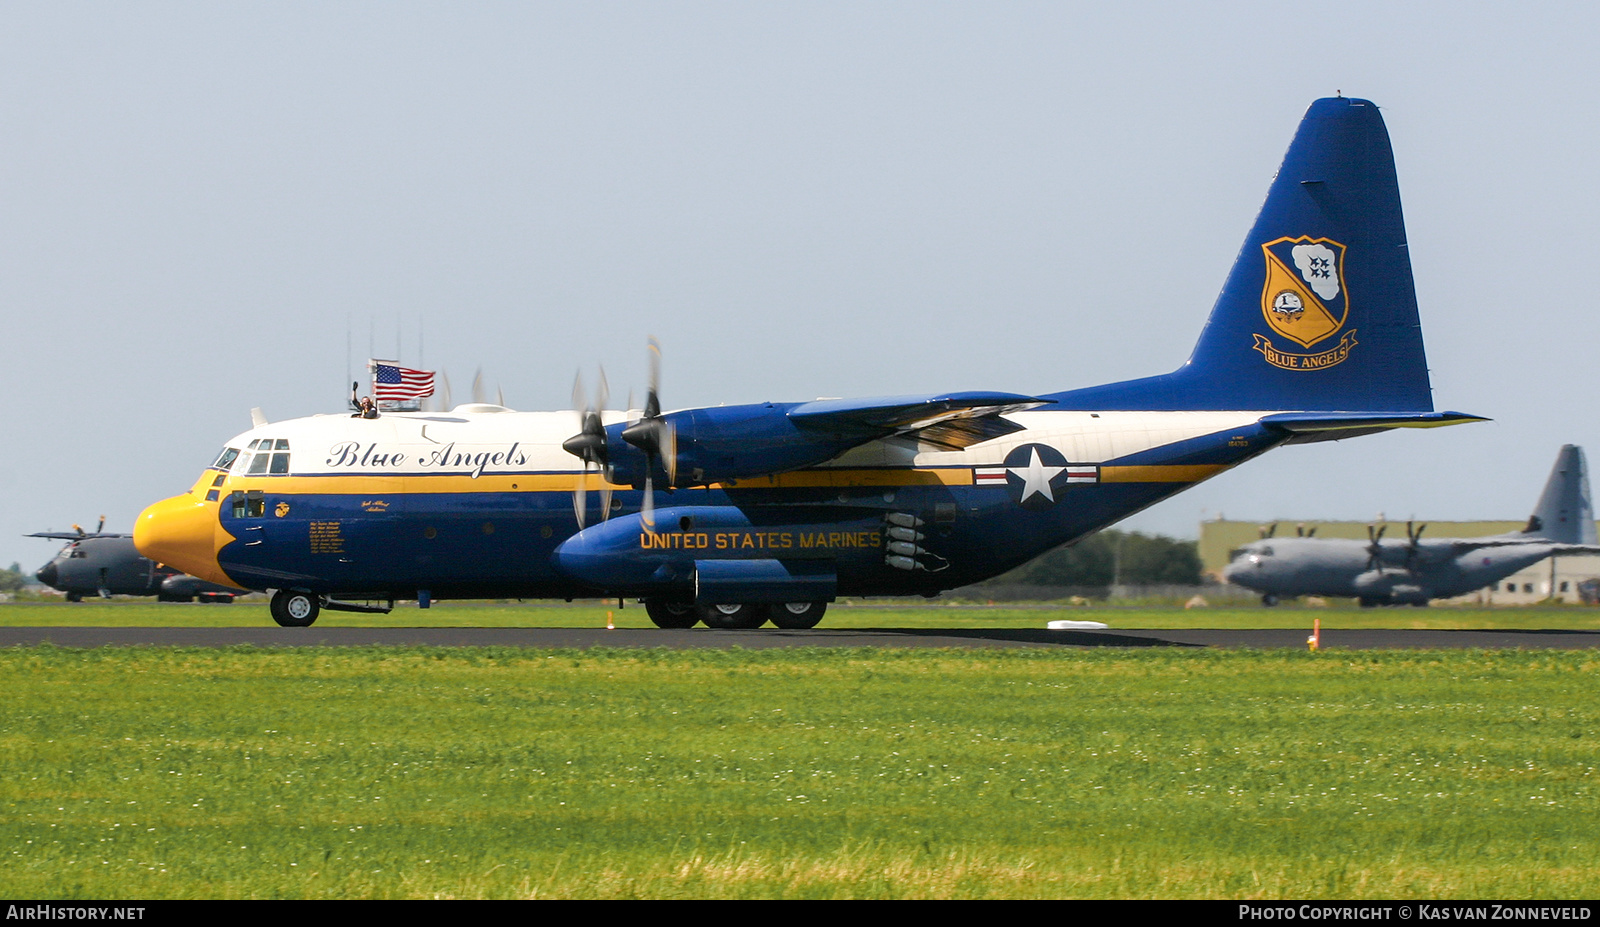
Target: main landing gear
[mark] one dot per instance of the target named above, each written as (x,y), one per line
(744,617)
(294,609)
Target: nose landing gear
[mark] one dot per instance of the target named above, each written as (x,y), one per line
(292,609)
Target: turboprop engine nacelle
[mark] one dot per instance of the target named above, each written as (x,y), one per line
(1400,588)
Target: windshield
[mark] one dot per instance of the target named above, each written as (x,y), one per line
(268,455)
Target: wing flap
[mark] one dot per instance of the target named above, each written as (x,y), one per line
(951,420)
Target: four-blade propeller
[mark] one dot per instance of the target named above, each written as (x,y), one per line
(1374,548)
(589,446)
(652,433)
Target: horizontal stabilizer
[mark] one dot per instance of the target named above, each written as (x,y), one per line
(73,535)
(1309,427)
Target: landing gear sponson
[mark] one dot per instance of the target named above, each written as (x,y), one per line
(792,616)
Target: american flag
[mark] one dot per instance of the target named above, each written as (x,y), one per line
(391,383)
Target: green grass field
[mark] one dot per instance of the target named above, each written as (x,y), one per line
(828,773)
(872,613)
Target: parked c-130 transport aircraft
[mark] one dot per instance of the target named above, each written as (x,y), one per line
(1415,571)
(736,515)
(107,564)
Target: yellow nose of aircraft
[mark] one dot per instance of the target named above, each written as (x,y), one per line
(183,532)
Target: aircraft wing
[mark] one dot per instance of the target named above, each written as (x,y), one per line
(951,420)
(1467,545)
(719,443)
(1309,427)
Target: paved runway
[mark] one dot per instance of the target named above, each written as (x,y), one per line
(770,637)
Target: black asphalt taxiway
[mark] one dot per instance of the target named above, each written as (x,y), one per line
(771,638)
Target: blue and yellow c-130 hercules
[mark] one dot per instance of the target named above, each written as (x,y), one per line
(774,509)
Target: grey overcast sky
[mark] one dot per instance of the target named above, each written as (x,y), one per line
(203,205)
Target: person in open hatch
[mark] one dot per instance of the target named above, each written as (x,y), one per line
(770,511)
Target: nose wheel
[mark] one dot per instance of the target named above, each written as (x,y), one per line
(294,609)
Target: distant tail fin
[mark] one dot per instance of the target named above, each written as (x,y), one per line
(1565,513)
(1319,312)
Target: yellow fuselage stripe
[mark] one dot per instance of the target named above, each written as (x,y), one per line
(1185,473)
(379,484)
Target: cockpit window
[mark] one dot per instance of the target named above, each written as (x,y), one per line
(226,458)
(268,455)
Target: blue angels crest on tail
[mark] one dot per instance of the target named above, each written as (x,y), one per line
(1305,300)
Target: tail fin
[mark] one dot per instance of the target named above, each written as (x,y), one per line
(1565,513)
(1319,312)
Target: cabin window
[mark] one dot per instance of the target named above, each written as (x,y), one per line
(248,504)
(1527,587)
(1511,587)
(226,458)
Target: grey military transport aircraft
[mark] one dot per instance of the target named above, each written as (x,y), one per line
(1413,571)
(98,563)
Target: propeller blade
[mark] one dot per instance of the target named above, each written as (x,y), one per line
(652,396)
(477,386)
(647,513)
(444,392)
(669,452)
(1414,549)
(605,499)
(580,496)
